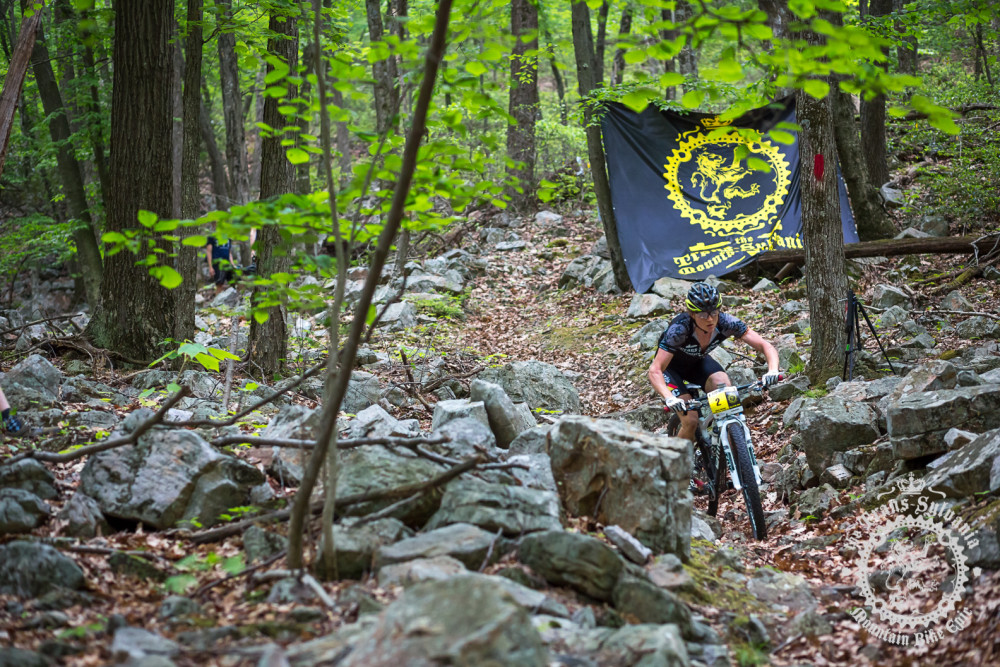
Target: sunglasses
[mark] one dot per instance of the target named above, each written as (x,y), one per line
(706,314)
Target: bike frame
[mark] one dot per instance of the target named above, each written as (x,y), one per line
(717,423)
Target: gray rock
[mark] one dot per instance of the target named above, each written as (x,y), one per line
(955,301)
(376,467)
(648,305)
(19,657)
(581,562)
(630,547)
(449,282)
(294,422)
(460,621)
(783,589)
(21,511)
(700,530)
(835,425)
(467,437)
(357,543)
(642,599)
(30,475)
(505,419)
(886,296)
(978,327)
(547,219)
(135,644)
(765,285)
(892,197)
(532,441)
(83,517)
(375,422)
(260,544)
(419,570)
(918,423)
(462,541)
(671,288)
(538,474)
(29,569)
(783,391)
(446,411)
(926,377)
(932,225)
(892,317)
(176,606)
(398,317)
(539,384)
(816,501)
(641,645)
(363,390)
(34,381)
(167,476)
(511,510)
(955,438)
(970,469)
(641,478)
(648,337)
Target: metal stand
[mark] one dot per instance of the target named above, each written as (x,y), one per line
(852,326)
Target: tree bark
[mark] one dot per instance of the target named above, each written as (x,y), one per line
(873,118)
(557,76)
(618,64)
(599,43)
(583,49)
(822,237)
(15,78)
(88,251)
(523,103)
(949,245)
(870,217)
(215,159)
(94,111)
(134,313)
(232,109)
(906,51)
(187,256)
(386,92)
(269,340)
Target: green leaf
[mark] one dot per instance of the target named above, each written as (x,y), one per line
(147,218)
(757,164)
(297,156)
(372,314)
(191,349)
(261,316)
(782,137)
(234,564)
(167,276)
(692,99)
(222,354)
(208,361)
(180,583)
(475,68)
(113,237)
(637,100)
(173,388)
(816,88)
(635,56)
(196,240)
(670,79)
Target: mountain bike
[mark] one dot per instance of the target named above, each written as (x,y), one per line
(722,441)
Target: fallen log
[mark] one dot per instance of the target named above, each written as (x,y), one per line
(948,245)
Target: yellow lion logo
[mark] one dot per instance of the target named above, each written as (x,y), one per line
(719,180)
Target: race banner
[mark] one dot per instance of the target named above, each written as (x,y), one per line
(688,205)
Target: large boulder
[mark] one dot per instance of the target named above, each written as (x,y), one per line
(648,305)
(581,562)
(640,645)
(918,423)
(83,518)
(293,422)
(973,468)
(512,510)
(459,408)
(886,296)
(461,541)
(357,543)
(30,475)
(929,376)
(626,477)
(378,468)
(363,390)
(167,476)
(21,511)
(536,383)
(835,424)
(30,569)
(458,621)
(33,382)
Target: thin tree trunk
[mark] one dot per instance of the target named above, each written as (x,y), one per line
(583,49)
(177,136)
(15,78)
(386,92)
(822,236)
(523,103)
(560,83)
(91,266)
(134,313)
(187,256)
(269,339)
(618,64)
(687,59)
(873,118)
(906,50)
(870,217)
(215,159)
(232,108)
(337,388)
(599,44)
(343,137)
(255,133)
(94,111)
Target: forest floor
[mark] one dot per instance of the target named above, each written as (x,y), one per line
(515,312)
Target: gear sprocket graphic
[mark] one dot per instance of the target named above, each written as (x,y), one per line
(948,601)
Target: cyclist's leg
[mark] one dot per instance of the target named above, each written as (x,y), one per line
(711,375)
(675,382)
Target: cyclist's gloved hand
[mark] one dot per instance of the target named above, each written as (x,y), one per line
(770,378)
(675,404)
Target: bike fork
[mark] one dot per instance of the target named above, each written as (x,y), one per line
(731,459)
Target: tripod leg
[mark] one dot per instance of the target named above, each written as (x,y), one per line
(872,327)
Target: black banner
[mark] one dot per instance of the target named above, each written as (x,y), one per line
(688,207)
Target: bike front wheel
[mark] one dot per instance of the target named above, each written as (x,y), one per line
(744,466)
(705,467)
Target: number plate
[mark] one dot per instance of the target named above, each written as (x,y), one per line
(724,399)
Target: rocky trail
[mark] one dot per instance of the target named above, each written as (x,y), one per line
(570,538)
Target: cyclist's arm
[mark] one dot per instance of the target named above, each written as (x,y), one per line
(660,363)
(757,342)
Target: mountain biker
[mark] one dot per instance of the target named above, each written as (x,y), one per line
(684,348)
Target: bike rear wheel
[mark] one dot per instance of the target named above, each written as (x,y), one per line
(738,443)
(705,467)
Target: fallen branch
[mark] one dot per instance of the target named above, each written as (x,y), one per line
(890,247)
(255,441)
(31,324)
(248,571)
(961,312)
(131,438)
(222,532)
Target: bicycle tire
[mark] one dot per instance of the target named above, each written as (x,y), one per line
(705,467)
(750,491)
(720,478)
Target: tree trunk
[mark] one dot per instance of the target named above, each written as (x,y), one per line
(91,266)
(134,313)
(947,245)
(94,111)
(618,64)
(523,104)
(215,159)
(687,59)
(557,76)
(343,137)
(870,217)
(187,256)
(599,44)
(873,119)
(269,340)
(15,77)
(822,236)
(232,109)
(386,92)
(906,51)
(177,141)
(583,49)
(255,133)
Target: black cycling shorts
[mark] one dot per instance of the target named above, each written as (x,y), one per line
(693,371)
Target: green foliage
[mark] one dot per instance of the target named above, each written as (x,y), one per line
(33,242)
(208,357)
(818,392)
(189,565)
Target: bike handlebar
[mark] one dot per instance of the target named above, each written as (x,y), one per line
(696,404)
